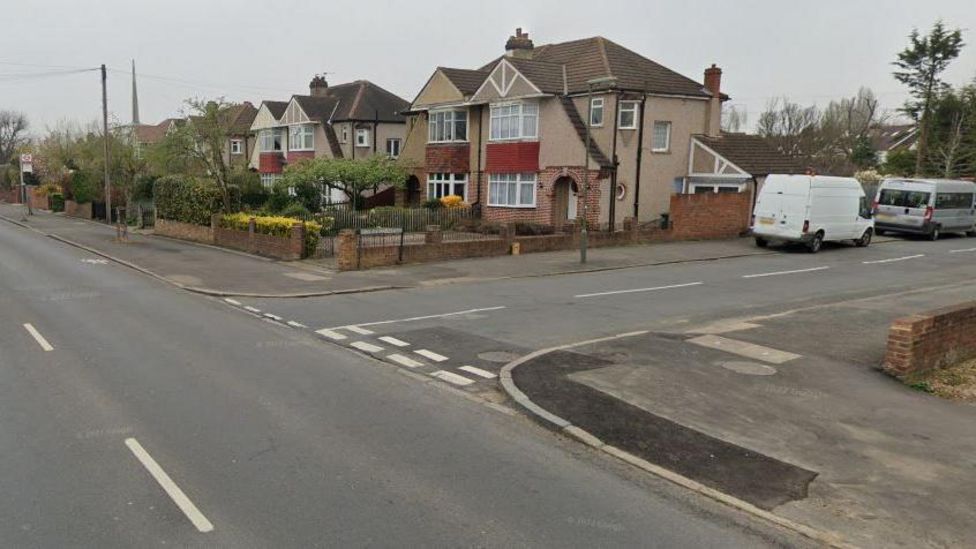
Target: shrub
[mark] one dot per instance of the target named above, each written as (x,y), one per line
(433,204)
(49,189)
(532,229)
(83,188)
(57,202)
(142,188)
(253,194)
(188,200)
(275,226)
(453,201)
(297,210)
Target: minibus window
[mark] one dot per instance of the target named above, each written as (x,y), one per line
(904,199)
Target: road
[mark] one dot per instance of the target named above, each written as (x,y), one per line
(134,414)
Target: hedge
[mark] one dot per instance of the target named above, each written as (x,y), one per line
(188,200)
(275,226)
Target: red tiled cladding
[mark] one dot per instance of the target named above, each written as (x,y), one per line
(295,156)
(452,158)
(270,162)
(512,157)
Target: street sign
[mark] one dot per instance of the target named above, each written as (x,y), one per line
(26,163)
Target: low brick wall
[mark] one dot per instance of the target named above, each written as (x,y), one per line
(710,215)
(931,340)
(38,200)
(74,209)
(184,231)
(11,195)
(279,247)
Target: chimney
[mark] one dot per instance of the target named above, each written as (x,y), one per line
(318,87)
(713,80)
(713,117)
(519,45)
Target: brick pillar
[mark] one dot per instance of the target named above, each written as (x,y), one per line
(297,244)
(251,247)
(433,235)
(347,252)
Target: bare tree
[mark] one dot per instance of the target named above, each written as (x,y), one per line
(13,134)
(948,154)
(790,127)
(733,119)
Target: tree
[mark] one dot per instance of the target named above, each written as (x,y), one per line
(790,127)
(733,119)
(900,162)
(13,134)
(845,131)
(352,177)
(952,134)
(920,66)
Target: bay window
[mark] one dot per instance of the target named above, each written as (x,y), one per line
(302,138)
(270,140)
(514,121)
(447,125)
(512,190)
(440,185)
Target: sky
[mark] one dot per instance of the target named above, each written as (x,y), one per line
(809,51)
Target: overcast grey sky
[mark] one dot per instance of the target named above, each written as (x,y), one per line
(811,51)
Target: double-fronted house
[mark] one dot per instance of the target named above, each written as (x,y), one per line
(354,120)
(510,135)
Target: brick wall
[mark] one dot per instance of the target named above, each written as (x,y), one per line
(183,231)
(709,215)
(270,162)
(545,195)
(512,157)
(279,247)
(38,201)
(74,209)
(295,156)
(931,340)
(11,195)
(448,158)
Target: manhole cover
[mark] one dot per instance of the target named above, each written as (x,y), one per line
(498,356)
(748,368)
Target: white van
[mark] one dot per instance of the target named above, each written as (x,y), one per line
(928,207)
(811,209)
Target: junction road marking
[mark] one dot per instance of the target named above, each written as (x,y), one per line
(416,318)
(452,378)
(742,348)
(294,324)
(233,302)
(252,309)
(404,361)
(358,330)
(431,355)
(368,347)
(777,273)
(478,372)
(331,334)
(394,341)
(95,261)
(636,290)
(38,337)
(273,317)
(170,487)
(892,260)
(961,251)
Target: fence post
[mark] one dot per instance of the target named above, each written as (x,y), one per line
(298,239)
(347,254)
(403,233)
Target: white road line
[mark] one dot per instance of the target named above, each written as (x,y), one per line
(961,251)
(394,341)
(38,337)
(232,301)
(358,330)
(635,290)
(777,273)
(294,324)
(426,317)
(892,260)
(331,334)
(368,347)
(431,355)
(452,378)
(252,309)
(273,317)
(404,361)
(478,372)
(170,487)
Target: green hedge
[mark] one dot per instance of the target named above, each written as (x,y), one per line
(185,199)
(57,202)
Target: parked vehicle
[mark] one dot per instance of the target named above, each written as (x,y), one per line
(929,207)
(812,210)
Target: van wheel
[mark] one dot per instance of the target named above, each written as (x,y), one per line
(865,239)
(761,242)
(971,233)
(815,244)
(935,234)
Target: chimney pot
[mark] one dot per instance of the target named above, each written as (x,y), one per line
(519,45)
(713,80)
(318,86)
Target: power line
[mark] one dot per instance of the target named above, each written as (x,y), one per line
(13,76)
(202,84)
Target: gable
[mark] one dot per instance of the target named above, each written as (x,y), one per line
(438,91)
(505,81)
(706,161)
(294,114)
(264,119)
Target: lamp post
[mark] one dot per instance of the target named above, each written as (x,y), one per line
(610,82)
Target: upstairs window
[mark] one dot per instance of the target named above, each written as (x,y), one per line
(236,146)
(514,121)
(393,148)
(302,138)
(362,137)
(628,115)
(270,140)
(447,126)
(596,111)
(661,140)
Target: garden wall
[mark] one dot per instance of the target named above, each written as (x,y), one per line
(184,231)
(931,340)
(11,195)
(709,216)
(279,247)
(74,209)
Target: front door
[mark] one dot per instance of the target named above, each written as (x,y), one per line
(564,201)
(573,202)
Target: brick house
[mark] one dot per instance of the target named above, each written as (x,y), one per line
(240,139)
(354,120)
(509,136)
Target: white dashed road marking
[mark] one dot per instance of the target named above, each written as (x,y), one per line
(358,330)
(273,317)
(95,261)
(427,317)
(961,251)
(252,309)
(38,337)
(635,290)
(368,347)
(777,273)
(232,301)
(331,334)
(170,487)
(294,324)
(431,355)
(892,260)
(452,378)
(404,361)
(478,372)
(394,341)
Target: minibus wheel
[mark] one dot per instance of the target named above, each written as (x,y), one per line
(935,234)
(761,242)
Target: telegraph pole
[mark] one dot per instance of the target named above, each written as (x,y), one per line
(108,180)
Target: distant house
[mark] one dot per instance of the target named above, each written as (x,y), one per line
(893,137)
(354,120)
(240,139)
(729,162)
(145,135)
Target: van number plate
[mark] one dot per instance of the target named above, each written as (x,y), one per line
(766,220)
(884,217)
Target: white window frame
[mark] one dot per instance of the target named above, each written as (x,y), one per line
(362,137)
(301,137)
(501,185)
(631,107)
(517,115)
(268,180)
(236,146)
(389,149)
(597,105)
(446,120)
(448,180)
(693,188)
(266,139)
(667,137)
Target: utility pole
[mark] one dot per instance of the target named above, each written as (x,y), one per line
(108,180)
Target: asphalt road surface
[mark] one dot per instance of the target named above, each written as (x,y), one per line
(133,414)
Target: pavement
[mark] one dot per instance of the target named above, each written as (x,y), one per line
(133,414)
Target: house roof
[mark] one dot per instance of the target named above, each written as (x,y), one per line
(467,81)
(317,108)
(148,134)
(276,108)
(361,100)
(241,116)
(548,77)
(752,153)
(895,136)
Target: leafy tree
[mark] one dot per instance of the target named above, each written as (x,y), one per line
(900,162)
(952,134)
(352,177)
(920,66)
(13,134)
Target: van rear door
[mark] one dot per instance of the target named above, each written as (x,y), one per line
(904,203)
(782,207)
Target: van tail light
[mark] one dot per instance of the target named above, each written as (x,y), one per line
(874,206)
(928,213)
(806,226)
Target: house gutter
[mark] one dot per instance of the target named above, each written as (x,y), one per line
(615,162)
(478,175)
(640,154)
